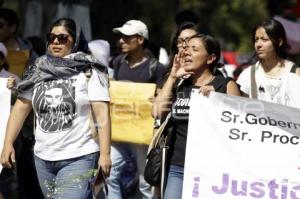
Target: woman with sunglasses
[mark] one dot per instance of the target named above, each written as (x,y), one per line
(62,96)
(198,61)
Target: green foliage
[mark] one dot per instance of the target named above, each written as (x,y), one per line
(232,21)
(12,4)
(158,15)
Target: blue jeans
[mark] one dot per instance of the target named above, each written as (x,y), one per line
(173,189)
(67,179)
(119,152)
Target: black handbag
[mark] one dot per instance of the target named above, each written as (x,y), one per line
(155,167)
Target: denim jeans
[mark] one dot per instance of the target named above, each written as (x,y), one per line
(119,152)
(67,179)
(173,189)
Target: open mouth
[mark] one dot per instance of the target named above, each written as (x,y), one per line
(123,47)
(56,49)
(187,61)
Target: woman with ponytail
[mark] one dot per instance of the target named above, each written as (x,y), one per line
(193,68)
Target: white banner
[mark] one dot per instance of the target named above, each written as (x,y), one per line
(5,95)
(239,148)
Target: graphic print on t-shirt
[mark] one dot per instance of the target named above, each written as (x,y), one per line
(54,102)
(181,106)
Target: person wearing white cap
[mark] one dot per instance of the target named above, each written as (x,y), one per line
(134,65)
(133,27)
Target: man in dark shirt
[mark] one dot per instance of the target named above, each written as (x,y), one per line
(133,65)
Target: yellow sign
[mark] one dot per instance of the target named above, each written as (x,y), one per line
(131,111)
(17,61)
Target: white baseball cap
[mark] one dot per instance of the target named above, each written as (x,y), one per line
(3,49)
(100,49)
(133,27)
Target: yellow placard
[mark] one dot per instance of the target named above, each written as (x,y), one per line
(17,61)
(131,111)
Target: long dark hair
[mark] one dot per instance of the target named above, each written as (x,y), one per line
(277,35)
(183,26)
(174,48)
(80,43)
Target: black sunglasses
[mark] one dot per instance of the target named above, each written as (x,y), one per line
(126,37)
(61,38)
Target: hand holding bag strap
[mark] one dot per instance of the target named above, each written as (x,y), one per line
(253,83)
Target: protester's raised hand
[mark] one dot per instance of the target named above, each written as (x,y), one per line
(177,67)
(11,82)
(8,156)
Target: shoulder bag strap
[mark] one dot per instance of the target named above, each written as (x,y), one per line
(158,134)
(163,170)
(253,83)
(153,63)
(164,151)
(294,68)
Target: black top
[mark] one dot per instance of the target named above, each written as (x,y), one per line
(139,73)
(180,116)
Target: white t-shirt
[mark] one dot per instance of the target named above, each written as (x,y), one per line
(276,89)
(62,116)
